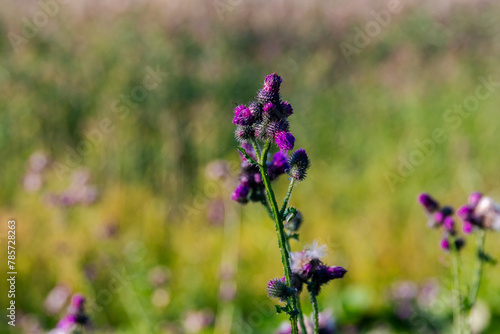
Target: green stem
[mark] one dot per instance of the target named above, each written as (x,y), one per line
(457,296)
(287,197)
(278,222)
(314,302)
(299,306)
(479,270)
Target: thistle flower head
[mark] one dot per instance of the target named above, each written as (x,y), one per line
(286,108)
(324,274)
(278,165)
(75,316)
(244,133)
(277,288)
(299,164)
(284,140)
(242,115)
(241,193)
(445,243)
(429,203)
(481,212)
(272,83)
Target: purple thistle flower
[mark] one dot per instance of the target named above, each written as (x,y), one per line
(287,108)
(284,140)
(325,274)
(299,164)
(449,224)
(75,316)
(467,227)
(241,192)
(243,115)
(444,244)
(276,288)
(278,165)
(475,197)
(272,83)
(429,203)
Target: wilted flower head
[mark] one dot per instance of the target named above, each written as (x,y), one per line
(299,164)
(481,212)
(307,265)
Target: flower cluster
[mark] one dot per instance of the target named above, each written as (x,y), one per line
(266,118)
(480,212)
(442,216)
(326,325)
(76,317)
(308,268)
(251,186)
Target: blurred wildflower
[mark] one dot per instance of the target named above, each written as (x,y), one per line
(441,217)
(196,321)
(56,298)
(75,317)
(160,298)
(159,276)
(481,212)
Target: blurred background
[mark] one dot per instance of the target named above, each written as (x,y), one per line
(118,157)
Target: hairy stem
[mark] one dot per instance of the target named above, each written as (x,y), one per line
(278,222)
(299,306)
(479,269)
(314,302)
(287,197)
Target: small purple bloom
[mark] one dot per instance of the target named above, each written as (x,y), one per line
(240,194)
(285,140)
(278,165)
(429,203)
(242,115)
(287,108)
(445,244)
(449,224)
(465,212)
(475,197)
(467,227)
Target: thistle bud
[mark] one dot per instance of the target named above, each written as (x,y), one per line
(272,83)
(240,194)
(244,133)
(299,163)
(429,203)
(276,288)
(294,221)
